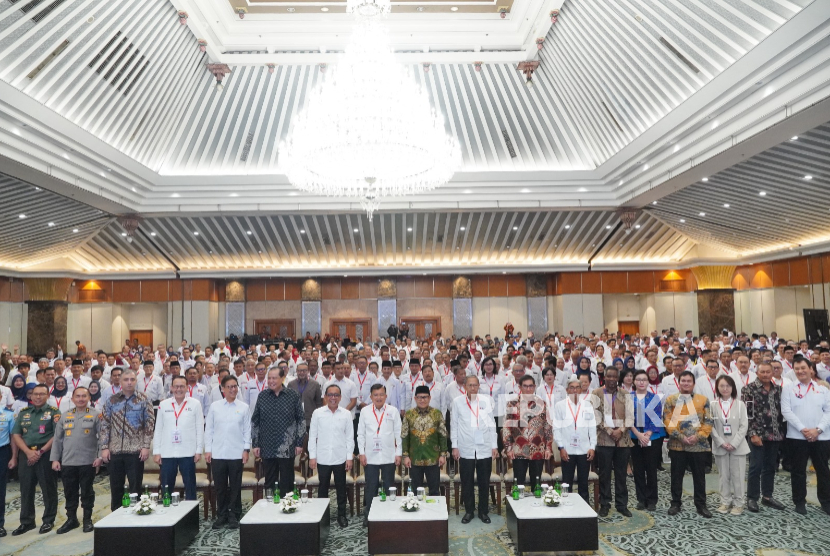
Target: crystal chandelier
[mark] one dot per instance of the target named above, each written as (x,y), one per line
(369,131)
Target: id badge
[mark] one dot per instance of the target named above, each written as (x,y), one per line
(177,436)
(377,445)
(42,429)
(479,436)
(575,440)
(727,428)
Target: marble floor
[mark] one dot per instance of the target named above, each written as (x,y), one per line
(768,533)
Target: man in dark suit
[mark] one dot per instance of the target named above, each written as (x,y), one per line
(311,395)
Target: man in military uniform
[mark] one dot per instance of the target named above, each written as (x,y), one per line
(33,434)
(76,455)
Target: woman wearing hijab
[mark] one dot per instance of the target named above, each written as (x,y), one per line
(94,388)
(583,367)
(18,387)
(618,363)
(24,401)
(60,396)
(653,378)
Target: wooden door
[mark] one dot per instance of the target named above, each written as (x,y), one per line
(141,337)
(353,329)
(422,327)
(275,328)
(630,327)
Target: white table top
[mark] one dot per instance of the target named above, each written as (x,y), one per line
(167,518)
(524,508)
(264,513)
(391,510)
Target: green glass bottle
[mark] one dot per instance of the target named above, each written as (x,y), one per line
(409,489)
(165,497)
(558,488)
(147,491)
(296,492)
(537,492)
(276,493)
(515,492)
(382,495)
(125,500)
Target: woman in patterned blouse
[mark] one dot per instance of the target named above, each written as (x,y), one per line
(527,433)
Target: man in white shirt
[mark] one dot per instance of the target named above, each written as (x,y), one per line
(436,388)
(705,385)
(575,432)
(150,384)
(671,383)
(806,408)
(379,445)
(778,375)
(743,377)
(195,389)
(178,440)
(257,385)
(227,443)
(823,367)
(395,393)
(474,446)
(364,380)
(330,448)
(349,394)
(114,387)
(77,379)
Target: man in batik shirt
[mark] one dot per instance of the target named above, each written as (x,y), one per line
(424,444)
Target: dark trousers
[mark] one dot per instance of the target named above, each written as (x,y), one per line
(77,478)
(5,457)
(475,471)
(279,470)
(324,473)
(696,461)
(644,462)
(616,458)
(432,473)
(227,480)
(579,464)
(30,477)
(120,467)
(763,463)
(818,452)
(170,467)
(355,422)
(521,467)
(375,474)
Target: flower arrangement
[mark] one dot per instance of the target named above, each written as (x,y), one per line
(551,498)
(410,503)
(145,506)
(288,505)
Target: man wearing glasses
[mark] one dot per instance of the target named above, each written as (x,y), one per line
(330,448)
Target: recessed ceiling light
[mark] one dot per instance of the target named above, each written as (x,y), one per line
(682,221)
(133,189)
(292,194)
(583,190)
(608,227)
(234,194)
(75,231)
(676,148)
(302,231)
(763,193)
(291,10)
(153,234)
(705,179)
(195,233)
(409,229)
(355,230)
(794,138)
(324,9)
(515,227)
(454,9)
(66,156)
(567,226)
(51,224)
(249,232)
(701,214)
(16,132)
(504,272)
(715,124)
(645,167)
(525,190)
(808,177)
(468,191)
(463,228)
(174,195)
(419,9)
(726,205)
(22,216)
(345,276)
(654,202)
(637,227)
(123,234)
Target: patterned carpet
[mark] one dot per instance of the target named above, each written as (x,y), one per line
(769,533)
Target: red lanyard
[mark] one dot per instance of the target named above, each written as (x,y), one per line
(75,383)
(145,382)
(549,394)
(674,378)
(798,394)
(476,412)
(382,415)
(433,385)
(414,380)
(259,386)
(190,390)
(362,381)
(176,414)
(489,384)
(574,415)
(746,380)
(652,388)
(58,402)
(462,390)
(726,413)
(113,390)
(712,386)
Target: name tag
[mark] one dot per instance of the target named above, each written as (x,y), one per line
(574,443)
(479,435)
(727,428)
(42,429)
(176,436)
(377,445)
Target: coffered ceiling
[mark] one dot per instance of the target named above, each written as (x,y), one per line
(108,106)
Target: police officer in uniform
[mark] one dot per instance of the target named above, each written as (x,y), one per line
(33,433)
(76,455)
(8,458)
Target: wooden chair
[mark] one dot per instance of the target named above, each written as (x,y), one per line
(495,486)
(313,481)
(360,481)
(556,475)
(152,477)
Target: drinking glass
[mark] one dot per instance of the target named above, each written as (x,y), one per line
(133,499)
(154,498)
(393,493)
(421,491)
(269,496)
(521,491)
(304,496)
(175,498)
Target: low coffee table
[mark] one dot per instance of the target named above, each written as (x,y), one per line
(542,529)
(394,531)
(165,532)
(266,530)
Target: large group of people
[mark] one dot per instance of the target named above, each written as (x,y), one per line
(617,404)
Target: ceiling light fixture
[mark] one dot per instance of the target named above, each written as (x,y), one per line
(369,131)
(463,228)
(682,221)
(515,227)
(726,205)
(175,195)
(195,233)
(355,230)
(808,177)
(22,216)
(324,9)
(763,193)
(123,234)
(153,234)
(51,224)
(302,231)
(705,179)
(702,214)
(75,231)
(676,148)
(525,190)
(454,9)
(567,226)
(654,202)
(794,138)
(409,229)
(637,227)
(468,191)
(583,190)
(608,227)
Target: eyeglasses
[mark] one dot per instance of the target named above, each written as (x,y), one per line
(332,395)
(231,386)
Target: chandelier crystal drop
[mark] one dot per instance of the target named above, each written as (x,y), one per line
(369,131)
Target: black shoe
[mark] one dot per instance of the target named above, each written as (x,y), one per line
(661,468)
(707,470)
(88,526)
(603,511)
(674,510)
(484,518)
(233,523)
(704,512)
(342,521)
(2,532)
(220,522)
(365,521)
(641,506)
(23,529)
(772,503)
(652,507)
(46,527)
(752,506)
(467,518)
(799,509)
(71,523)
(624,511)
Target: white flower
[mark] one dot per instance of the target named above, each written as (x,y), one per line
(410,503)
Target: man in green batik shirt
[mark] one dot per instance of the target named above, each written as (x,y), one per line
(424,435)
